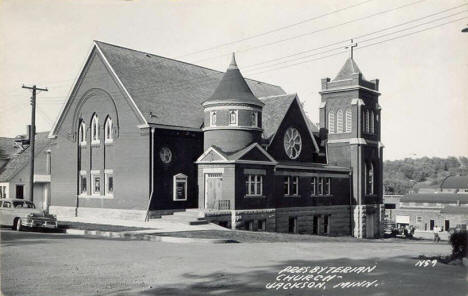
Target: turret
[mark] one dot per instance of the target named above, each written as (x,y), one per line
(233,114)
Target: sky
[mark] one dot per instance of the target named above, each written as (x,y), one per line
(423,75)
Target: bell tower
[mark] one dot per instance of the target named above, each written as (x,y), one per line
(350,116)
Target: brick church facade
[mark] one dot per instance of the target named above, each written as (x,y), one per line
(141,135)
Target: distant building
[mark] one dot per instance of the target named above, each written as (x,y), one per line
(14,174)
(445,209)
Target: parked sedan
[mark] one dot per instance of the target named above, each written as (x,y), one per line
(20,213)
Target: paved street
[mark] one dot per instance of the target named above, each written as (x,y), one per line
(57,264)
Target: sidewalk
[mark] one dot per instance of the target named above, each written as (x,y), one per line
(149,231)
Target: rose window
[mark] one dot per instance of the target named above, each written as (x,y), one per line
(292,143)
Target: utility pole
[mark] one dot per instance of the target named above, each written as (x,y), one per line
(32,136)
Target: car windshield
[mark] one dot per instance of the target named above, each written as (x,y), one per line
(23,204)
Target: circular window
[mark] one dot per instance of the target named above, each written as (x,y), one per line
(292,143)
(165,154)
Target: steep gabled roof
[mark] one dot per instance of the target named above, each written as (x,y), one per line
(171,90)
(349,68)
(7,147)
(233,88)
(21,160)
(275,110)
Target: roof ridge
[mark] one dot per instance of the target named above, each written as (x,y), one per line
(179,61)
(274,96)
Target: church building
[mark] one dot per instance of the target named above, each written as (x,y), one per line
(142,136)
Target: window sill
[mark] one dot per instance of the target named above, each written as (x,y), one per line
(83,144)
(96,196)
(95,143)
(322,195)
(179,199)
(254,196)
(294,195)
(108,142)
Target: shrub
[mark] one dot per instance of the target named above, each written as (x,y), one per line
(459,242)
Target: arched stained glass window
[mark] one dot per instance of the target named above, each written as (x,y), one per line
(349,120)
(339,121)
(108,130)
(95,129)
(331,122)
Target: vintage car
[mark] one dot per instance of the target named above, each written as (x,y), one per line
(20,213)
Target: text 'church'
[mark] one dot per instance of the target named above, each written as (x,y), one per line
(143,134)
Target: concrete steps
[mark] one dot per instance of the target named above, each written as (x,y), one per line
(189,216)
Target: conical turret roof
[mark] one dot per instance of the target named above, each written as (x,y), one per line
(349,68)
(232,88)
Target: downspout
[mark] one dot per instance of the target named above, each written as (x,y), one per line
(78,168)
(151,174)
(351,202)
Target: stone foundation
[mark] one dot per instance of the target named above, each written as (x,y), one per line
(115,214)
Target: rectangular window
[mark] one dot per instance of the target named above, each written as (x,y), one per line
(261,225)
(327,186)
(233,117)
(180,187)
(313,186)
(295,186)
(95,183)
(291,186)
(3,191)
(83,183)
(109,182)
(286,185)
(320,186)
(254,185)
(212,118)
(419,219)
(255,119)
(19,191)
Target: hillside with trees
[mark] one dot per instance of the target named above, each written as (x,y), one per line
(407,175)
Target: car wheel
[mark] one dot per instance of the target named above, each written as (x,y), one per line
(18,226)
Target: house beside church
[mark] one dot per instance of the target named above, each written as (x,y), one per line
(146,135)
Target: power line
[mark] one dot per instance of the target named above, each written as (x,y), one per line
(277,29)
(366,40)
(383,41)
(354,37)
(316,31)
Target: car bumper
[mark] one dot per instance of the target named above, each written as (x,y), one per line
(40,224)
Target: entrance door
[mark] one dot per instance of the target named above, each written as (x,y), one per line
(20,191)
(213,190)
(447,225)
(315,226)
(292,225)
(431,225)
(370,226)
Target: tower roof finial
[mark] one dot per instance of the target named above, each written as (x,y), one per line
(351,48)
(233,64)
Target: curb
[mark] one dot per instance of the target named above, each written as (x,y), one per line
(145,237)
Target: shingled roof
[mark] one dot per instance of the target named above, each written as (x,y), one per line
(7,147)
(274,111)
(171,90)
(349,68)
(233,88)
(21,160)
